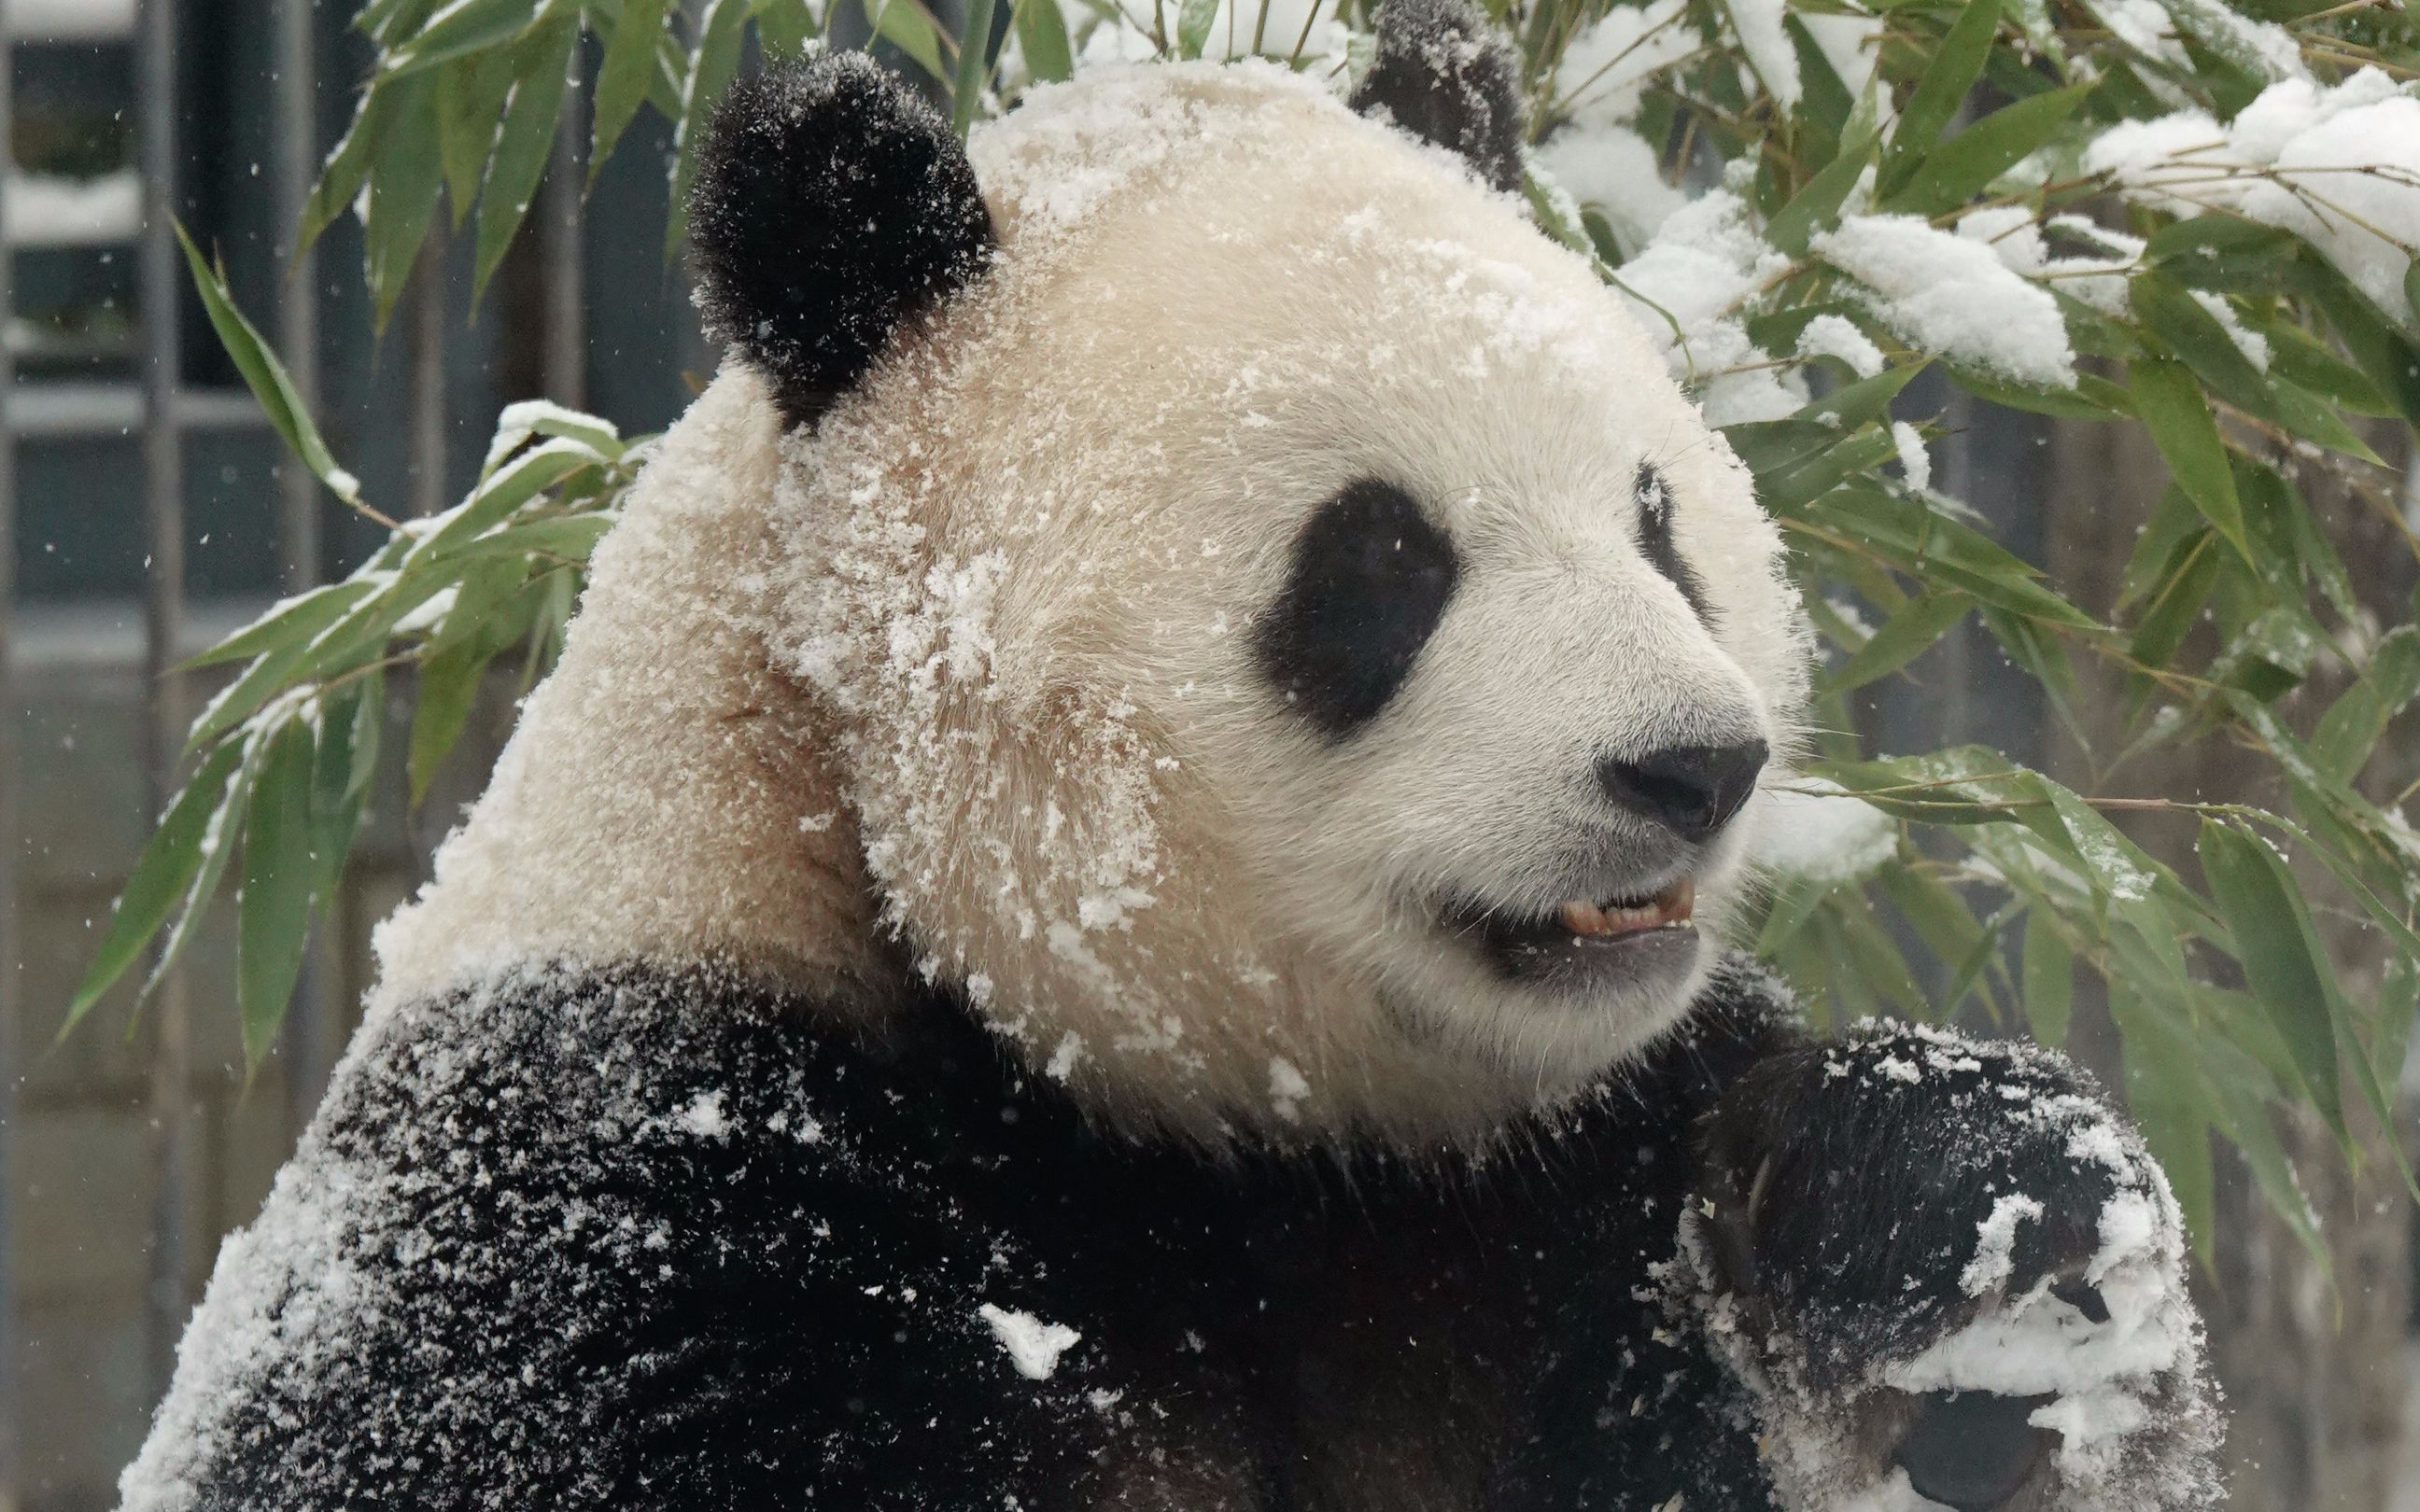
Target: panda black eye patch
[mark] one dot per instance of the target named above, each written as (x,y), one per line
(1370,580)
(1654,497)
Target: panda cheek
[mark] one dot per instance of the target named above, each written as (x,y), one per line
(1370,580)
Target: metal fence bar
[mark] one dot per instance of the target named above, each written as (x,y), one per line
(565,357)
(13,946)
(164,611)
(316,1017)
(427,297)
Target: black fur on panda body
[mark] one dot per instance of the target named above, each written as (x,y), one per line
(667,1241)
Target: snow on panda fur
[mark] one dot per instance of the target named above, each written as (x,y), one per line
(1044,946)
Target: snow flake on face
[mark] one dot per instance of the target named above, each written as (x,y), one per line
(1288,1089)
(1033,1346)
(1995,1253)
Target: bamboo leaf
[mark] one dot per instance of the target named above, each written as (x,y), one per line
(974,67)
(2049,970)
(1939,91)
(1042,35)
(1964,165)
(274,906)
(2179,419)
(160,876)
(462,27)
(404,175)
(2280,955)
(523,142)
(720,31)
(470,95)
(622,77)
(1903,638)
(266,377)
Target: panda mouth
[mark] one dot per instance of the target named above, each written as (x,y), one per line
(1579,937)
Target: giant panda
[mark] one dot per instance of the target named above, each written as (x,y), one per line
(1116,902)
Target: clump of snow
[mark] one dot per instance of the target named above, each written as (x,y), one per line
(1770,51)
(1605,71)
(1817,830)
(1691,286)
(1994,1250)
(2251,343)
(1950,295)
(1838,336)
(1612,168)
(2336,164)
(1033,1346)
(1914,462)
(2262,48)
(1288,1089)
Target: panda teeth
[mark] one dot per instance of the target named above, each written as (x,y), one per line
(1674,905)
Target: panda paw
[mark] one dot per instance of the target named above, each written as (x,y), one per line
(1949,1275)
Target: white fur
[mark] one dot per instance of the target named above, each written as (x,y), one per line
(1014,574)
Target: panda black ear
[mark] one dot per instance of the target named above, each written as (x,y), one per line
(831,204)
(1443,74)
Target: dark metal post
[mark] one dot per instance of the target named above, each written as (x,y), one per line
(428,378)
(163,609)
(314,1020)
(12,947)
(566,355)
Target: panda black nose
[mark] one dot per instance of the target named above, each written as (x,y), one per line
(1692,791)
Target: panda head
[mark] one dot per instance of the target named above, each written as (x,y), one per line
(1293,657)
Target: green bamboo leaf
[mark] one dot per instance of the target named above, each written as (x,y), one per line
(266,377)
(2194,335)
(1964,165)
(2298,358)
(2245,1119)
(2351,728)
(274,906)
(1193,18)
(498,496)
(720,29)
(2177,418)
(160,876)
(341,177)
(474,630)
(1042,35)
(2384,356)
(404,178)
(292,622)
(469,96)
(974,67)
(2171,1103)
(2280,955)
(218,847)
(1906,636)
(1939,91)
(908,26)
(787,27)
(1817,204)
(466,26)
(2049,969)
(622,77)
(523,142)
(342,761)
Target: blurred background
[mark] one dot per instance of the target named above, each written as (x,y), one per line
(146,509)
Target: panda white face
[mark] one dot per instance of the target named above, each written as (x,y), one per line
(1298,659)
